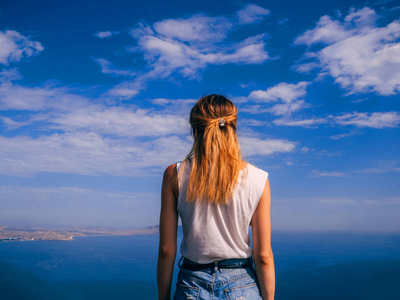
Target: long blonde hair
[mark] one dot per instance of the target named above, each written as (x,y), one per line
(215,157)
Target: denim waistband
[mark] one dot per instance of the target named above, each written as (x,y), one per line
(230,263)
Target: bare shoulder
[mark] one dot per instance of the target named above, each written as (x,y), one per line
(170,171)
(170,179)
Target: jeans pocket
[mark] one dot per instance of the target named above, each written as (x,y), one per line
(245,292)
(184,292)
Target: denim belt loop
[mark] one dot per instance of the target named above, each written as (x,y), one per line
(180,262)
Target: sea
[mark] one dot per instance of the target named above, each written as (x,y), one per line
(308,265)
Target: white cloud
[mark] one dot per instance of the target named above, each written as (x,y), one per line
(12,124)
(15,46)
(304,122)
(359,55)
(88,154)
(316,173)
(378,170)
(123,92)
(373,120)
(283,91)
(7,75)
(94,138)
(254,109)
(169,54)
(105,34)
(384,166)
(251,13)
(287,93)
(327,31)
(196,28)
(16,97)
(256,146)
(108,68)
(174,102)
(340,201)
(287,108)
(180,107)
(60,108)
(252,122)
(283,21)
(187,46)
(119,121)
(343,135)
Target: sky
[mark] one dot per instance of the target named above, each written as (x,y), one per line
(95,98)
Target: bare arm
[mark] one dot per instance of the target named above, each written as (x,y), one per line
(168,232)
(262,251)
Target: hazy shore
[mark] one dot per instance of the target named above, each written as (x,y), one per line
(67,234)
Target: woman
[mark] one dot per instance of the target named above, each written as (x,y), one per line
(218,196)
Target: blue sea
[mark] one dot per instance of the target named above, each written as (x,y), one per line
(308,266)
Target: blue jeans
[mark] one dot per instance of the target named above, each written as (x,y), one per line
(218,283)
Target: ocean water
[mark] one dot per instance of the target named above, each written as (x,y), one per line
(308,266)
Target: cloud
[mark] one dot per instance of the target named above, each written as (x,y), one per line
(17,97)
(384,166)
(14,47)
(123,92)
(180,107)
(88,154)
(119,121)
(8,75)
(287,108)
(378,120)
(316,173)
(251,13)
(283,21)
(304,122)
(287,94)
(372,120)
(198,28)
(12,124)
(108,68)
(343,135)
(255,146)
(61,109)
(340,201)
(289,97)
(105,34)
(252,122)
(378,170)
(167,54)
(283,91)
(93,138)
(361,56)
(187,46)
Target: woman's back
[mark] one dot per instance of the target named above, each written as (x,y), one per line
(220,231)
(217,196)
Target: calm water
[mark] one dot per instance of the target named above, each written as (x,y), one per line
(308,266)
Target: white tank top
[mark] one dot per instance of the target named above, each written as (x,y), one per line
(217,231)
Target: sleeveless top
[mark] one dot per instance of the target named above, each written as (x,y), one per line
(219,231)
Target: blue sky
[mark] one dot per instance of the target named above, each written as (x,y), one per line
(95,97)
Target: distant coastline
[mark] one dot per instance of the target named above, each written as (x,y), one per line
(9,234)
